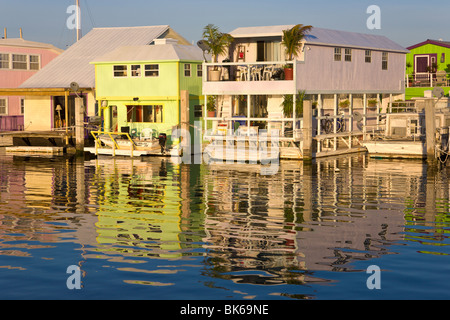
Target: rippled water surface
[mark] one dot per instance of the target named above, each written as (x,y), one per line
(156,229)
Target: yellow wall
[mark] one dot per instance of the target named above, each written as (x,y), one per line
(37,116)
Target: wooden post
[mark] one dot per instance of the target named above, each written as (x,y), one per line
(79,124)
(184,119)
(307,130)
(430,130)
(66,110)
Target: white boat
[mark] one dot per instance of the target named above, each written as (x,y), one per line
(403,136)
(124,143)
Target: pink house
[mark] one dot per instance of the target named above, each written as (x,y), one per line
(19,60)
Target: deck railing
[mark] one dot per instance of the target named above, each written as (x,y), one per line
(246,71)
(432,79)
(11,123)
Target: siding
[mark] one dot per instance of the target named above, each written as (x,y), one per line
(321,74)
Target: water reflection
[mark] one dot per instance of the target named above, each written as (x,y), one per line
(226,221)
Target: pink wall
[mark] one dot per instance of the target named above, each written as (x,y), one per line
(14,78)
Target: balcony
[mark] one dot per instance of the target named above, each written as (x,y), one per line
(248,78)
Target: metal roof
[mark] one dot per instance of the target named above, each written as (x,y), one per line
(73,65)
(157,52)
(20,42)
(326,37)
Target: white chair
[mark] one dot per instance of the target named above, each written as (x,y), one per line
(268,72)
(146,133)
(255,73)
(243,72)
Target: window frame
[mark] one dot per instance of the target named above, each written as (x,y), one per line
(348,54)
(384,60)
(149,73)
(139,113)
(25,62)
(7,61)
(368,56)
(5,99)
(187,71)
(116,71)
(37,63)
(337,54)
(200,70)
(136,73)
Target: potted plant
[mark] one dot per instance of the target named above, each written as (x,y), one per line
(211,106)
(372,103)
(292,41)
(217,43)
(344,104)
(288,104)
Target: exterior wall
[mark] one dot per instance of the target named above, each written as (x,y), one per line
(319,73)
(162,90)
(14,78)
(38,115)
(430,49)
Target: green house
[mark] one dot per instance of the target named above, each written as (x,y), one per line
(140,87)
(427,66)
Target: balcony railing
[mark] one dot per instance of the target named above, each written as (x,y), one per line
(437,79)
(246,71)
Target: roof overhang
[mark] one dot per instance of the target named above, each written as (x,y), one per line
(435,42)
(37,91)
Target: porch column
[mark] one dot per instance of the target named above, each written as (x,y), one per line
(294,115)
(335,107)
(248,115)
(66,101)
(350,121)
(319,114)
(307,130)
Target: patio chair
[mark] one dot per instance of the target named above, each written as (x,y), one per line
(268,72)
(243,70)
(255,73)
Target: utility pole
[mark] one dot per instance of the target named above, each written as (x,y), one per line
(78,20)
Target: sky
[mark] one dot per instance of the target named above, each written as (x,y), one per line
(406,22)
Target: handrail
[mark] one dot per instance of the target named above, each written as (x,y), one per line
(110,134)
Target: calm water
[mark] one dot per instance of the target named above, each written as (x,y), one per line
(155,229)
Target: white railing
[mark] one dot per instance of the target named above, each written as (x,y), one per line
(246,71)
(432,79)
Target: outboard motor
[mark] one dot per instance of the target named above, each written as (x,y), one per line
(162,141)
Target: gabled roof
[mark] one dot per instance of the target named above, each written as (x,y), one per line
(20,42)
(73,65)
(157,52)
(445,44)
(326,37)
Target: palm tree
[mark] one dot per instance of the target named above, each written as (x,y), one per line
(292,39)
(217,41)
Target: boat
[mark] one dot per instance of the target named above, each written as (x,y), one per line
(403,136)
(242,149)
(121,143)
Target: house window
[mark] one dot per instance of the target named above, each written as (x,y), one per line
(4,61)
(384,61)
(442,57)
(199,70)
(152,114)
(3,107)
(19,62)
(198,111)
(348,55)
(34,62)
(368,58)
(187,69)
(135,70)
(22,106)
(151,70)
(120,71)
(337,54)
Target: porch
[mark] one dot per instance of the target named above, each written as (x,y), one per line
(428,79)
